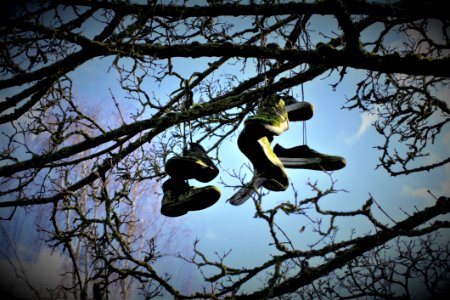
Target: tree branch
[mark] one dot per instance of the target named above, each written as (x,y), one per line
(405,9)
(363,245)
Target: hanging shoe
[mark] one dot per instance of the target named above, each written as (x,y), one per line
(265,162)
(246,191)
(302,157)
(297,111)
(195,163)
(271,117)
(179,197)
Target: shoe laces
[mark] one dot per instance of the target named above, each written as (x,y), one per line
(288,99)
(272,105)
(175,186)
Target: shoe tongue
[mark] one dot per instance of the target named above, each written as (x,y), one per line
(288,99)
(175,185)
(195,146)
(270,101)
(196,151)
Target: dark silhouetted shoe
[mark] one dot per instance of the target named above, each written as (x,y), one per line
(265,162)
(297,111)
(195,164)
(179,197)
(247,191)
(302,157)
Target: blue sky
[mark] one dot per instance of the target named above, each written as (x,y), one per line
(332,130)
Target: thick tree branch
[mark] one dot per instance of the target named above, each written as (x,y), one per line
(325,55)
(429,9)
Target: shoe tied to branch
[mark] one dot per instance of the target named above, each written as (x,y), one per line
(179,197)
(265,162)
(271,117)
(298,111)
(195,163)
(303,157)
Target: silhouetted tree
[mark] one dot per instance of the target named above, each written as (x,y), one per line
(87,170)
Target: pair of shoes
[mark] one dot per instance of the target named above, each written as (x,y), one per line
(179,197)
(272,119)
(254,141)
(300,157)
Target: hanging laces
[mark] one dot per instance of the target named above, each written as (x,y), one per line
(304,132)
(188,101)
(261,68)
(305,138)
(262,64)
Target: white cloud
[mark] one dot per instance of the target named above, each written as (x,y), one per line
(42,273)
(211,235)
(444,95)
(446,139)
(46,274)
(416,192)
(367,119)
(432,158)
(422,192)
(445,185)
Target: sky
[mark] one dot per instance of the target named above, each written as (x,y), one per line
(332,130)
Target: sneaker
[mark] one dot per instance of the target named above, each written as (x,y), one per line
(179,197)
(297,111)
(302,157)
(247,191)
(195,163)
(271,117)
(266,164)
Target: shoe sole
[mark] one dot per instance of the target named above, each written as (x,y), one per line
(209,196)
(301,111)
(275,185)
(313,163)
(247,191)
(185,168)
(251,188)
(172,211)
